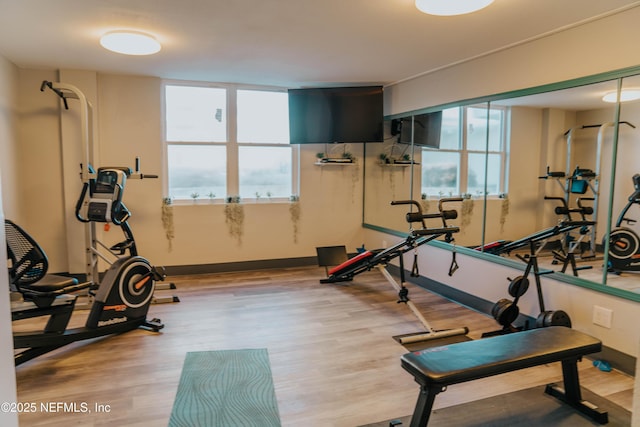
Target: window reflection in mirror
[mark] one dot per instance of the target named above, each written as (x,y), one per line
(434,155)
(540,160)
(569,139)
(389,175)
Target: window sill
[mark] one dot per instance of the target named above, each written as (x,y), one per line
(220,202)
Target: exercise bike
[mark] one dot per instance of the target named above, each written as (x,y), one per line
(119,303)
(624,243)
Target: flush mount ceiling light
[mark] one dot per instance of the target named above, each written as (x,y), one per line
(625,95)
(130,43)
(451,7)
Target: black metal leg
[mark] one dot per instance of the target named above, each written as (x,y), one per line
(571,394)
(424,405)
(571,381)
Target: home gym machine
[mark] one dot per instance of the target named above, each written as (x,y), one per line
(121,300)
(379,259)
(624,243)
(578,183)
(100,201)
(581,179)
(101,198)
(506,311)
(537,241)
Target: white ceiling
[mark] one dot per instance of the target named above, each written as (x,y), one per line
(289,43)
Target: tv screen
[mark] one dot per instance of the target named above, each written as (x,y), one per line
(426,129)
(332,115)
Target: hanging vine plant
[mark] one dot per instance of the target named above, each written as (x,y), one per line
(167,220)
(504,211)
(234,217)
(355,178)
(467,211)
(294,213)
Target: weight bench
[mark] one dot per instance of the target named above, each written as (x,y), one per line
(439,367)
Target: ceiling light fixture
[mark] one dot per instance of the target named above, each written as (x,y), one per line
(130,42)
(451,7)
(625,95)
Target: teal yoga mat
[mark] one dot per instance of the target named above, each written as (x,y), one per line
(226,388)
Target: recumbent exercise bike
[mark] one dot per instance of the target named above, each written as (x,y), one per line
(119,303)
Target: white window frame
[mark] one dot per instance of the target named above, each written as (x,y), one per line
(232,145)
(464,151)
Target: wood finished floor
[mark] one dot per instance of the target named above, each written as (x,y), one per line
(332,357)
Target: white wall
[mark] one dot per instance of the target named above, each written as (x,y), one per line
(127,112)
(599,46)
(9,138)
(8,99)
(38,171)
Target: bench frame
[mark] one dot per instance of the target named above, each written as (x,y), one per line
(428,366)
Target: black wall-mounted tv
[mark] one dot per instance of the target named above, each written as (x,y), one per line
(426,129)
(335,115)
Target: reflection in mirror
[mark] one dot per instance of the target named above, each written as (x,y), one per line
(542,160)
(624,242)
(435,155)
(569,134)
(458,167)
(389,169)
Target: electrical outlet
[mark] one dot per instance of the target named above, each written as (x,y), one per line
(384,244)
(602,316)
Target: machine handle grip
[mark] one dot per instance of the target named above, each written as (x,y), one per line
(441,202)
(417,216)
(451,199)
(407,202)
(586,210)
(436,231)
(450,214)
(47,84)
(80,201)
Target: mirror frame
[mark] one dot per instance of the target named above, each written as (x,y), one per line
(618,75)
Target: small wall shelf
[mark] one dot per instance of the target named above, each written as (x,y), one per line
(397,165)
(335,162)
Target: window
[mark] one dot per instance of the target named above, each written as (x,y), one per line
(473,140)
(225,142)
(264,155)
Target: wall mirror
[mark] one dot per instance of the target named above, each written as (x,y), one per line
(431,156)
(523,163)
